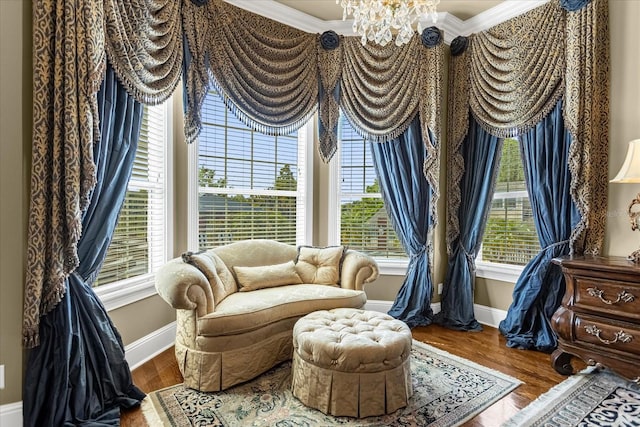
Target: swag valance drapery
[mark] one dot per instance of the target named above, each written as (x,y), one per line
(272,76)
(506,81)
(511,76)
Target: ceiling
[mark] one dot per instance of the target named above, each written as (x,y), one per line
(328,10)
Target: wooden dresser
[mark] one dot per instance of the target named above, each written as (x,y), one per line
(599,319)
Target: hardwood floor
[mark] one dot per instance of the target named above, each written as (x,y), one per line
(486,348)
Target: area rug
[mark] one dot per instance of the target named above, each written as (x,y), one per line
(590,398)
(448,391)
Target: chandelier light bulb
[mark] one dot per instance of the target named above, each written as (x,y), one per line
(377,20)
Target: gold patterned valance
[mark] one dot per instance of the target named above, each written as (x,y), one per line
(380,87)
(274,77)
(516,71)
(512,75)
(144,44)
(267,72)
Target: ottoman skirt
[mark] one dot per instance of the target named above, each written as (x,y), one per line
(349,362)
(351,394)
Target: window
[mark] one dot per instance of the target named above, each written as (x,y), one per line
(140,242)
(250,185)
(360,219)
(510,235)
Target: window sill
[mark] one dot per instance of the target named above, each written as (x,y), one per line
(392,268)
(125,292)
(503,272)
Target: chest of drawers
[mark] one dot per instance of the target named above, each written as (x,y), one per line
(599,319)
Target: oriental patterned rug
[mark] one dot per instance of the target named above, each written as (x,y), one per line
(588,399)
(448,391)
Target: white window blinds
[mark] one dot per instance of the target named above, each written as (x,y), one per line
(510,235)
(250,185)
(363,221)
(138,244)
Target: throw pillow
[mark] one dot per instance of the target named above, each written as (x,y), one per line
(320,266)
(266,276)
(216,271)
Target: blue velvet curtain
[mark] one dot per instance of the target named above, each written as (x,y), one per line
(539,290)
(406,195)
(481,152)
(78,375)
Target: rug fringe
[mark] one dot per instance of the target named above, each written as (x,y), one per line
(529,414)
(149,411)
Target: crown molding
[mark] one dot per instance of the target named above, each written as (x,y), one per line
(506,10)
(448,23)
(284,14)
(451,25)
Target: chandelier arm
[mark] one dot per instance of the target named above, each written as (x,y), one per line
(377,20)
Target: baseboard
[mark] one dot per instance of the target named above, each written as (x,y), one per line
(384,306)
(486,315)
(149,346)
(11,414)
(378,305)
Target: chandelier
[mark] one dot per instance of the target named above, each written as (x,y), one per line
(375,20)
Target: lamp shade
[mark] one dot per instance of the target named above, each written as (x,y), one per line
(630,170)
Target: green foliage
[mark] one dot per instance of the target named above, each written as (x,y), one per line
(286,181)
(206,178)
(503,241)
(511,172)
(354,216)
(510,236)
(354,220)
(359,228)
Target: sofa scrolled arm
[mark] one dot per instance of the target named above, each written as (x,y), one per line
(184,287)
(357,270)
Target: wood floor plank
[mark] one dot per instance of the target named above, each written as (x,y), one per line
(487,348)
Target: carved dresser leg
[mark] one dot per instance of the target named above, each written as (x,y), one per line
(561,362)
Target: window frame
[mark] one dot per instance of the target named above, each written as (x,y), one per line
(303,234)
(387,266)
(128,291)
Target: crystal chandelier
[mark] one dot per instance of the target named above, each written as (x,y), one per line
(375,20)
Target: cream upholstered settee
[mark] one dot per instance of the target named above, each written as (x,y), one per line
(237,304)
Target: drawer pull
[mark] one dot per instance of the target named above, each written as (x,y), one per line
(623,296)
(621,336)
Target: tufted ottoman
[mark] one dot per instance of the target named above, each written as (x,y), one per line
(350,362)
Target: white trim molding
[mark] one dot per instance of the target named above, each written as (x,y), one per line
(485,315)
(390,267)
(126,292)
(501,12)
(488,315)
(11,414)
(503,272)
(450,24)
(383,306)
(380,306)
(149,346)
